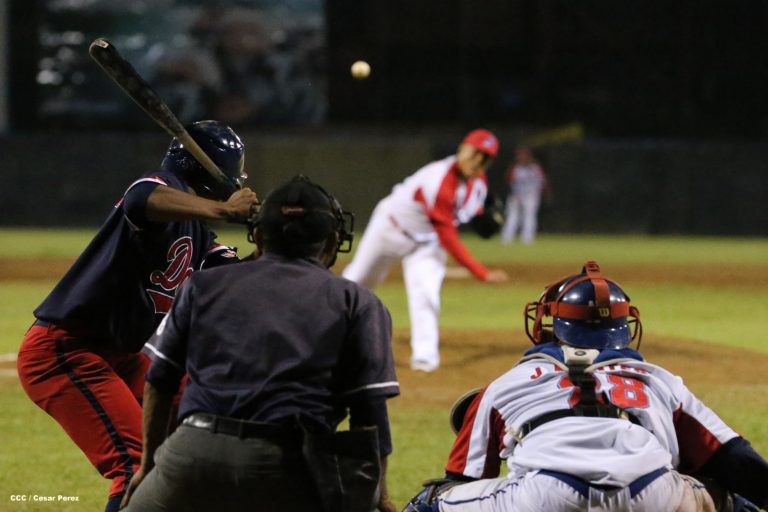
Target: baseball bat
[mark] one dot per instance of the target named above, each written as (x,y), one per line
(130,81)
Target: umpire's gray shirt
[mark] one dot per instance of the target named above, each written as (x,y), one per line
(265,340)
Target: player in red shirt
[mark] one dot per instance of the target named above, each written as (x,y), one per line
(418,224)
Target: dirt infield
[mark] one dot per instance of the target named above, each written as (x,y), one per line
(472,359)
(26,269)
(732,275)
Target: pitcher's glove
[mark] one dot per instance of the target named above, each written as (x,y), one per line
(489,222)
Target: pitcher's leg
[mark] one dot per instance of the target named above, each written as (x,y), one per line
(423,271)
(377,251)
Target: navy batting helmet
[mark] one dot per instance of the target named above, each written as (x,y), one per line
(223,146)
(588,311)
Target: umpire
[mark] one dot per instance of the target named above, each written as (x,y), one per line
(277,351)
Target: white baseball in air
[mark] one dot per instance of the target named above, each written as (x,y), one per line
(360,69)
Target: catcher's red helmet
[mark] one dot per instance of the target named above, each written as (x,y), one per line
(587,309)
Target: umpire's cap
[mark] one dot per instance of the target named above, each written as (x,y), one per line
(300,214)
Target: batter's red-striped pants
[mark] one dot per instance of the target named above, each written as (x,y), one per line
(94,393)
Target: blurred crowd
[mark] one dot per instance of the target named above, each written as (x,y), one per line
(247,65)
(243,66)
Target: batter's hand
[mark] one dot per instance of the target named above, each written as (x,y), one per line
(496,275)
(241,203)
(138,476)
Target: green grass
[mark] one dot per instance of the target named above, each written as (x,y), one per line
(720,315)
(38,458)
(18,299)
(625,249)
(32,243)
(548,248)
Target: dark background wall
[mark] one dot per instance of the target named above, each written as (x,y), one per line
(668,98)
(600,185)
(687,68)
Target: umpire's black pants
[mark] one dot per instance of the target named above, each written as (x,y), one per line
(196,469)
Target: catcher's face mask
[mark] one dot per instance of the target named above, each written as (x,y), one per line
(587,311)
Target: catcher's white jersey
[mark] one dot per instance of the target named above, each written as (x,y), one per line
(676,430)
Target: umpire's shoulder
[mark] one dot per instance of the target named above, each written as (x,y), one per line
(357,296)
(218,274)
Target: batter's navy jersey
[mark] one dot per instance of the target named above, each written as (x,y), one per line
(125,280)
(266,340)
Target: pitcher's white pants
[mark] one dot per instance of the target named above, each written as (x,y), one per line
(381,246)
(525,208)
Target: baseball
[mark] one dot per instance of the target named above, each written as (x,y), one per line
(360,69)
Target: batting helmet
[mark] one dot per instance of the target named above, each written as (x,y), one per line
(223,146)
(588,311)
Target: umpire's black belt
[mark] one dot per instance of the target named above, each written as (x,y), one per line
(240,428)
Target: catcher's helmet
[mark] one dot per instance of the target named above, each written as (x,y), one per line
(301,213)
(587,310)
(223,146)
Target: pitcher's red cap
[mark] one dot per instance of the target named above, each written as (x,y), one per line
(483,140)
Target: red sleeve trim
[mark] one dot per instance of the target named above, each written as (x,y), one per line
(457,460)
(449,239)
(696,443)
(492,466)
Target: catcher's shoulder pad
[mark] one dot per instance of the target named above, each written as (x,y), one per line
(459,408)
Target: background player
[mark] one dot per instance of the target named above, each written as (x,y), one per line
(272,347)
(417,223)
(527,182)
(79,361)
(586,423)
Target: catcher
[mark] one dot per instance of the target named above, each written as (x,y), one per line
(585,423)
